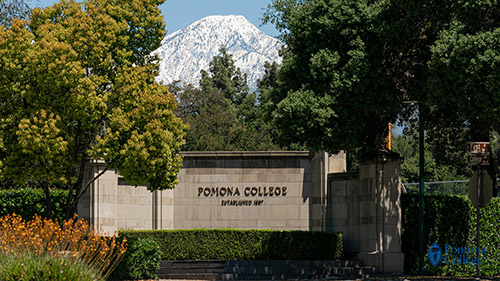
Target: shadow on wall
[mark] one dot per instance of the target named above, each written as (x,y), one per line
(366,208)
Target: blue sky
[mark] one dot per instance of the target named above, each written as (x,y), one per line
(181,13)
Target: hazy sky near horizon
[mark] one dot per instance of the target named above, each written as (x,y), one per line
(181,13)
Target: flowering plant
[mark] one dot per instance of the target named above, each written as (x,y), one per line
(72,242)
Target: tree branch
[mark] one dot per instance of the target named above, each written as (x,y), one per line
(90,182)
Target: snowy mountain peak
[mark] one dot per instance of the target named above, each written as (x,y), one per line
(186,52)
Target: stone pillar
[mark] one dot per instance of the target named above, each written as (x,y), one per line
(380,211)
(323,164)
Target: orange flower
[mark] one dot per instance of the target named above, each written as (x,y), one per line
(74,238)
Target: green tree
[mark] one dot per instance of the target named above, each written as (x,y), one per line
(266,86)
(223,115)
(349,65)
(446,54)
(75,85)
(214,125)
(463,90)
(331,92)
(433,66)
(407,147)
(223,75)
(211,119)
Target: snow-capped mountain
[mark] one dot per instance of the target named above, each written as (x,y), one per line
(186,52)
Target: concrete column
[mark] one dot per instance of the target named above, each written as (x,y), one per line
(323,164)
(380,211)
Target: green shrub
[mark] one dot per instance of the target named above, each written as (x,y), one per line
(451,220)
(237,244)
(141,260)
(26,267)
(29,201)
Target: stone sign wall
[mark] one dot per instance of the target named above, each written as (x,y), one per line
(274,190)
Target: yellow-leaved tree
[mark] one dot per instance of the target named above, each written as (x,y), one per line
(77,82)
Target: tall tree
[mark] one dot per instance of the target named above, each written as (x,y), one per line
(223,115)
(266,86)
(348,66)
(332,93)
(74,84)
(446,54)
(223,75)
(211,119)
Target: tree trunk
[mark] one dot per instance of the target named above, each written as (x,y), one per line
(79,189)
(71,204)
(48,201)
(68,210)
(74,190)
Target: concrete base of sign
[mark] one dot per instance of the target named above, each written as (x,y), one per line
(366,208)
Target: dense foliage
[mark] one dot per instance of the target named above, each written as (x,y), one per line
(222,113)
(348,67)
(451,220)
(77,82)
(31,201)
(463,69)
(332,92)
(407,147)
(236,244)
(141,261)
(224,76)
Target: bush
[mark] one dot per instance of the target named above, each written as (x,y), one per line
(141,260)
(237,244)
(28,202)
(451,220)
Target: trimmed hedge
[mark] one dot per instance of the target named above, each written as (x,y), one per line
(237,244)
(450,219)
(29,201)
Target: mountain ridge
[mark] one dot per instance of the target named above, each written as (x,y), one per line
(185,52)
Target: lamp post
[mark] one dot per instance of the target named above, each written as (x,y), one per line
(421,189)
(421,250)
